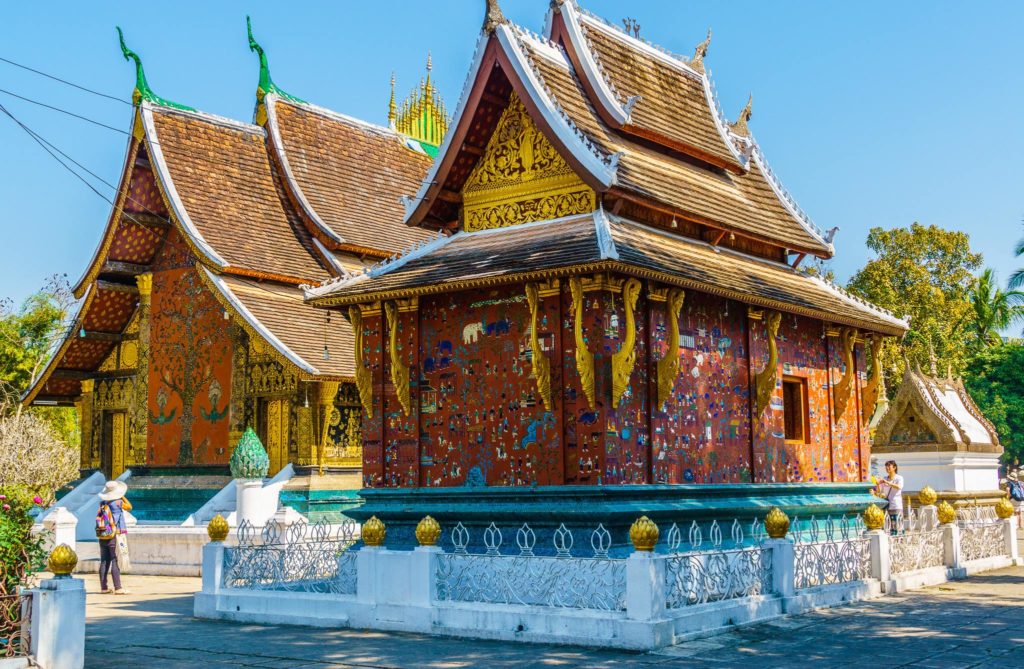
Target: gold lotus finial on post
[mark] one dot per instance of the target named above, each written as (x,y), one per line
(217,528)
(62,561)
(374,532)
(776,523)
(874,517)
(428,531)
(946,513)
(1004,508)
(644,534)
(927,496)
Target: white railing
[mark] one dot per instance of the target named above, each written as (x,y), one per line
(830,552)
(699,578)
(980,539)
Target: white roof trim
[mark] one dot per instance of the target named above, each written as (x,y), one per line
(412,204)
(598,168)
(785,198)
(275,133)
(267,335)
(590,67)
(723,130)
(71,332)
(605,241)
(329,256)
(177,206)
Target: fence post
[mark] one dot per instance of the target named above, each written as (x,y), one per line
(423,579)
(951,545)
(213,567)
(881,568)
(783,566)
(366,574)
(1010,535)
(645,586)
(62,524)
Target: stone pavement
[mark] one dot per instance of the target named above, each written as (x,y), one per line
(973,623)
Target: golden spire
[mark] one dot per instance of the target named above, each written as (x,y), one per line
(422,115)
(391,102)
(697,62)
(740,126)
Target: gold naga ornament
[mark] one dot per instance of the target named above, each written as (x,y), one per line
(874,517)
(1004,508)
(668,366)
(399,370)
(644,534)
(428,531)
(584,358)
(541,364)
(872,389)
(946,513)
(845,386)
(374,532)
(217,528)
(62,561)
(764,381)
(363,379)
(521,178)
(927,496)
(624,360)
(776,523)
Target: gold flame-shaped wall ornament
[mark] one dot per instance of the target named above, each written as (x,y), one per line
(871,388)
(845,386)
(541,364)
(584,358)
(399,370)
(764,381)
(624,360)
(363,380)
(668,366)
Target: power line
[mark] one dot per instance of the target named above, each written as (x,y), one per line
(64,81)
(64,111)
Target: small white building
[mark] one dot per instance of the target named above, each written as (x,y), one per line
(938,437)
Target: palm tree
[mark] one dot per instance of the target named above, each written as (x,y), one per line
(1017,278)
(992,309)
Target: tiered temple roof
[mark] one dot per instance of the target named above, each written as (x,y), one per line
(302,195)
(689,197)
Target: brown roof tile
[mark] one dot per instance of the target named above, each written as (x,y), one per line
(351,173)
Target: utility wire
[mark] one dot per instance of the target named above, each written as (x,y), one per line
(64,111)
(64,81)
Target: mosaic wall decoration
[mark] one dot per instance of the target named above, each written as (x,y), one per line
(344,424)
(702,435)
(370,357)
(846,460)
(585,424)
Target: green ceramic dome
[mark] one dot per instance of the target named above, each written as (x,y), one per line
(249,460)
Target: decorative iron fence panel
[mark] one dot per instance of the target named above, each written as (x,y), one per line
(15,623)
(915,550)
(698,578)
(981,539)
(828,552)
(321,567)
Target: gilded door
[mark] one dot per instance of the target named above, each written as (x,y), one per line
(273,426)
(114,444)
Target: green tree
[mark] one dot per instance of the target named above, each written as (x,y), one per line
(994,379)
(1017,278)
(992,310)
(925,273)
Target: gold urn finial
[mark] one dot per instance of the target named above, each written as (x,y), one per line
(874,517)
(1004,508)
(62,561)
(644,534)
(374,532)
(946,513)
(217,528)
(428,531)
(776,523)
(927,496)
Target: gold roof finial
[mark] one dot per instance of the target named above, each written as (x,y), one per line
(493,17)
(740,126)
(391,102)
(697,62)
(422,115)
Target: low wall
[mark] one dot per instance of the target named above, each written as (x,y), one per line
(160,550)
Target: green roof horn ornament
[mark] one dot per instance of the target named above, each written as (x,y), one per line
(249,459)
(142,90)
(266,85)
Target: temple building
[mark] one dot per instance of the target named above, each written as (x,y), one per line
(192,325)
(938,437)
(615,305)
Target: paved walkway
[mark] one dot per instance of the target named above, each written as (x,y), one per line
(973,623)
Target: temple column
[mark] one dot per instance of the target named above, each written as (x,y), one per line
(140,404)
(328,392)
(368,327)
(84,405)
(401,393)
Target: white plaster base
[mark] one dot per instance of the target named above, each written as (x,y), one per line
(160,550)
(58,623)
(947,471)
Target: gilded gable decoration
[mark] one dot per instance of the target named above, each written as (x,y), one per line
(521,178)
(764,381)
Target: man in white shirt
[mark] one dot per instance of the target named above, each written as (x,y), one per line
(891,488)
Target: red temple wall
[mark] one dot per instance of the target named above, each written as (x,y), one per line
(702,434)
(373,424)
(846,464)
(189,385)
(584,426)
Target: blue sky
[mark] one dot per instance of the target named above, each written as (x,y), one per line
(872,113)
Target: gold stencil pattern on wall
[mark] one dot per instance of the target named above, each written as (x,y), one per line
(521,178)
(541,365)
(668,366)
(624,360)
(399,370)
(584,358)
(845,386)
(873,386)
(363,381)
(764,381)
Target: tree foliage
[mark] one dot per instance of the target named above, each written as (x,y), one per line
(32,455)
(995,380)
(926,273)
(992,311)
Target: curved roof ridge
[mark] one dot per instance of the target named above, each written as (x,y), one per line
(850,297)
(721,122)
(58,352)
(785,198)
(215,119)
(338,116)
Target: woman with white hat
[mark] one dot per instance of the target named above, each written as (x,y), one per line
(110,525)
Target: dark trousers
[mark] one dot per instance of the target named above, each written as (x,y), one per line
(108,562)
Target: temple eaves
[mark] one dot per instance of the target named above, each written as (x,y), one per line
(142,90)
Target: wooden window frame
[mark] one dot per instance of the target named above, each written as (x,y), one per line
(804,410)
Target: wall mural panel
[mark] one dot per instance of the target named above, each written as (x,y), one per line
(585,424)
(626,429)
(802,354)
(702,435)
(190,366)
(476,352)
(846,460)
